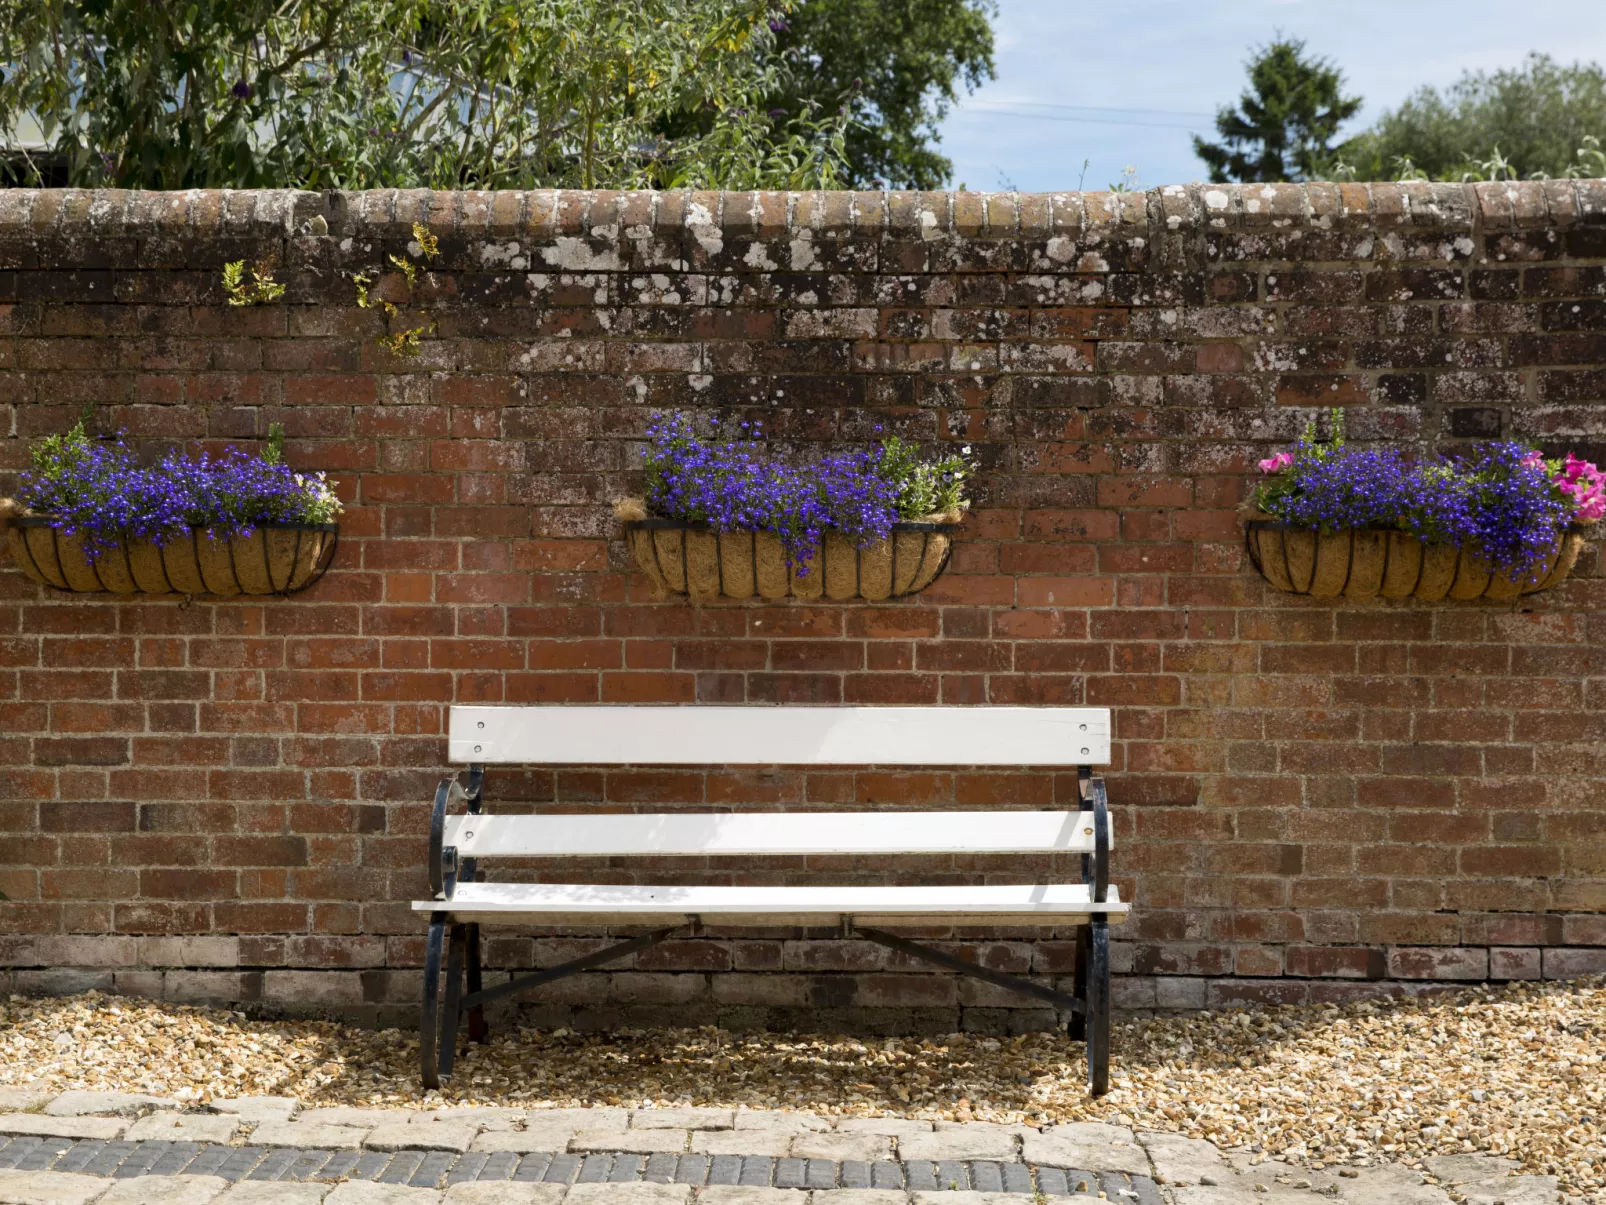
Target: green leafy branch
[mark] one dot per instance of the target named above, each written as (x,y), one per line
(260,290)
(405,342)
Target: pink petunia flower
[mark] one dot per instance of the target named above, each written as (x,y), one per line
(1277,463)
(1534,460)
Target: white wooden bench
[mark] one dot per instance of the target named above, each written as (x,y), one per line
(795,736)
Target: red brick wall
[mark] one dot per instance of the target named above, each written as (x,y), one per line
(225,799)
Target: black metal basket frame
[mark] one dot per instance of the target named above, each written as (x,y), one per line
(318,570)
(927,529)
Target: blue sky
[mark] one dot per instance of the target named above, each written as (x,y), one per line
(1126,81)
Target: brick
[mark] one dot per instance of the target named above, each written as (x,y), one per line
(1311,796)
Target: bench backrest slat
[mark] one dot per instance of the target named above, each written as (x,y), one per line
(792,736)
(768,833)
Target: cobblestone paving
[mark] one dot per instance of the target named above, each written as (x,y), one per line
(89,1148)
(442,1169)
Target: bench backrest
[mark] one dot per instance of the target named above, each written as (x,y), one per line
(769,834)
(789,736)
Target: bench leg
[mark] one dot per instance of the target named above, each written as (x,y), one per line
(477,1029)
(1097,996)
(1076,1027)
(429,1018)
(451,1009)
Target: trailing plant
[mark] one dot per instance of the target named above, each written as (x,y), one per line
(98,488)
(731,481)
(1504,501)
(260,290)
(405,342)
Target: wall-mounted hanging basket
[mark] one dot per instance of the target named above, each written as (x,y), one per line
(685,558)
(1382,562)
(276,558)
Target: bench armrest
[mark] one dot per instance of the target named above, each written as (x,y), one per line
(443,866)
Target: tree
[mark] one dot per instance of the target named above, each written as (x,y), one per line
(1285,124)
(901,63)
(1526,121)
(408,93)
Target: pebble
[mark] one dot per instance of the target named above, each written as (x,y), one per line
(1516,1071)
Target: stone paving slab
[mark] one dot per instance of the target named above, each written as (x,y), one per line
(109,1104)
(43,1126)
(184,1127)
(48,1188)
(165,1190)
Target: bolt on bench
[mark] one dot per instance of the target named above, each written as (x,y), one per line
(790,736)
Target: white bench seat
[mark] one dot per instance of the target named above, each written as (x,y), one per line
(467,848)
(600,904)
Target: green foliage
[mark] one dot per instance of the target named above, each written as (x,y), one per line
(273,450)
(900,64)
(57,458)
(924,487)
(1285,123)
(261,289)
(410,93)
(1541,119)
(403,342)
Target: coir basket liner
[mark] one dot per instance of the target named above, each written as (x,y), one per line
(685,558)
(276,558)
(1382,562)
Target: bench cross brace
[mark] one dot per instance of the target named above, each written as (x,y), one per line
(1012,983)
(442,1018)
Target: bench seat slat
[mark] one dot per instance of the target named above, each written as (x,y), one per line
(1039,904)
(768,833)
(795,736)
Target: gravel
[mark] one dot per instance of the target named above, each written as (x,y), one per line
(1516,1071)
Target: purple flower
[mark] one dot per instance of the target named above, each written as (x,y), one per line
(100,490)
(241,89)
(731,482)
(778,25)
(1496,499)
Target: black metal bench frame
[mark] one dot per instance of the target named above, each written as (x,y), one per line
(455,948)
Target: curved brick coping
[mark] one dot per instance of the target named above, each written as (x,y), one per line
(441,1169)
(607,223)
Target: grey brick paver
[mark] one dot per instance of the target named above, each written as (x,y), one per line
(44,1153)
(627,1169)
(466,1168)
(308,1164)
(886,1174)
(338,1164)
(179,1156)
(594,1170)
(527,1170)
(109,1159)
(401,1167)
(369,1165)
(561,1170)
(500,1166)
(208,1160)
(660,1168)
(273,1165)
(724,1169)
(986,1177)
(1017,1177)
(692,1169)
(140,1159)
(431,1171)
(757,1171)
